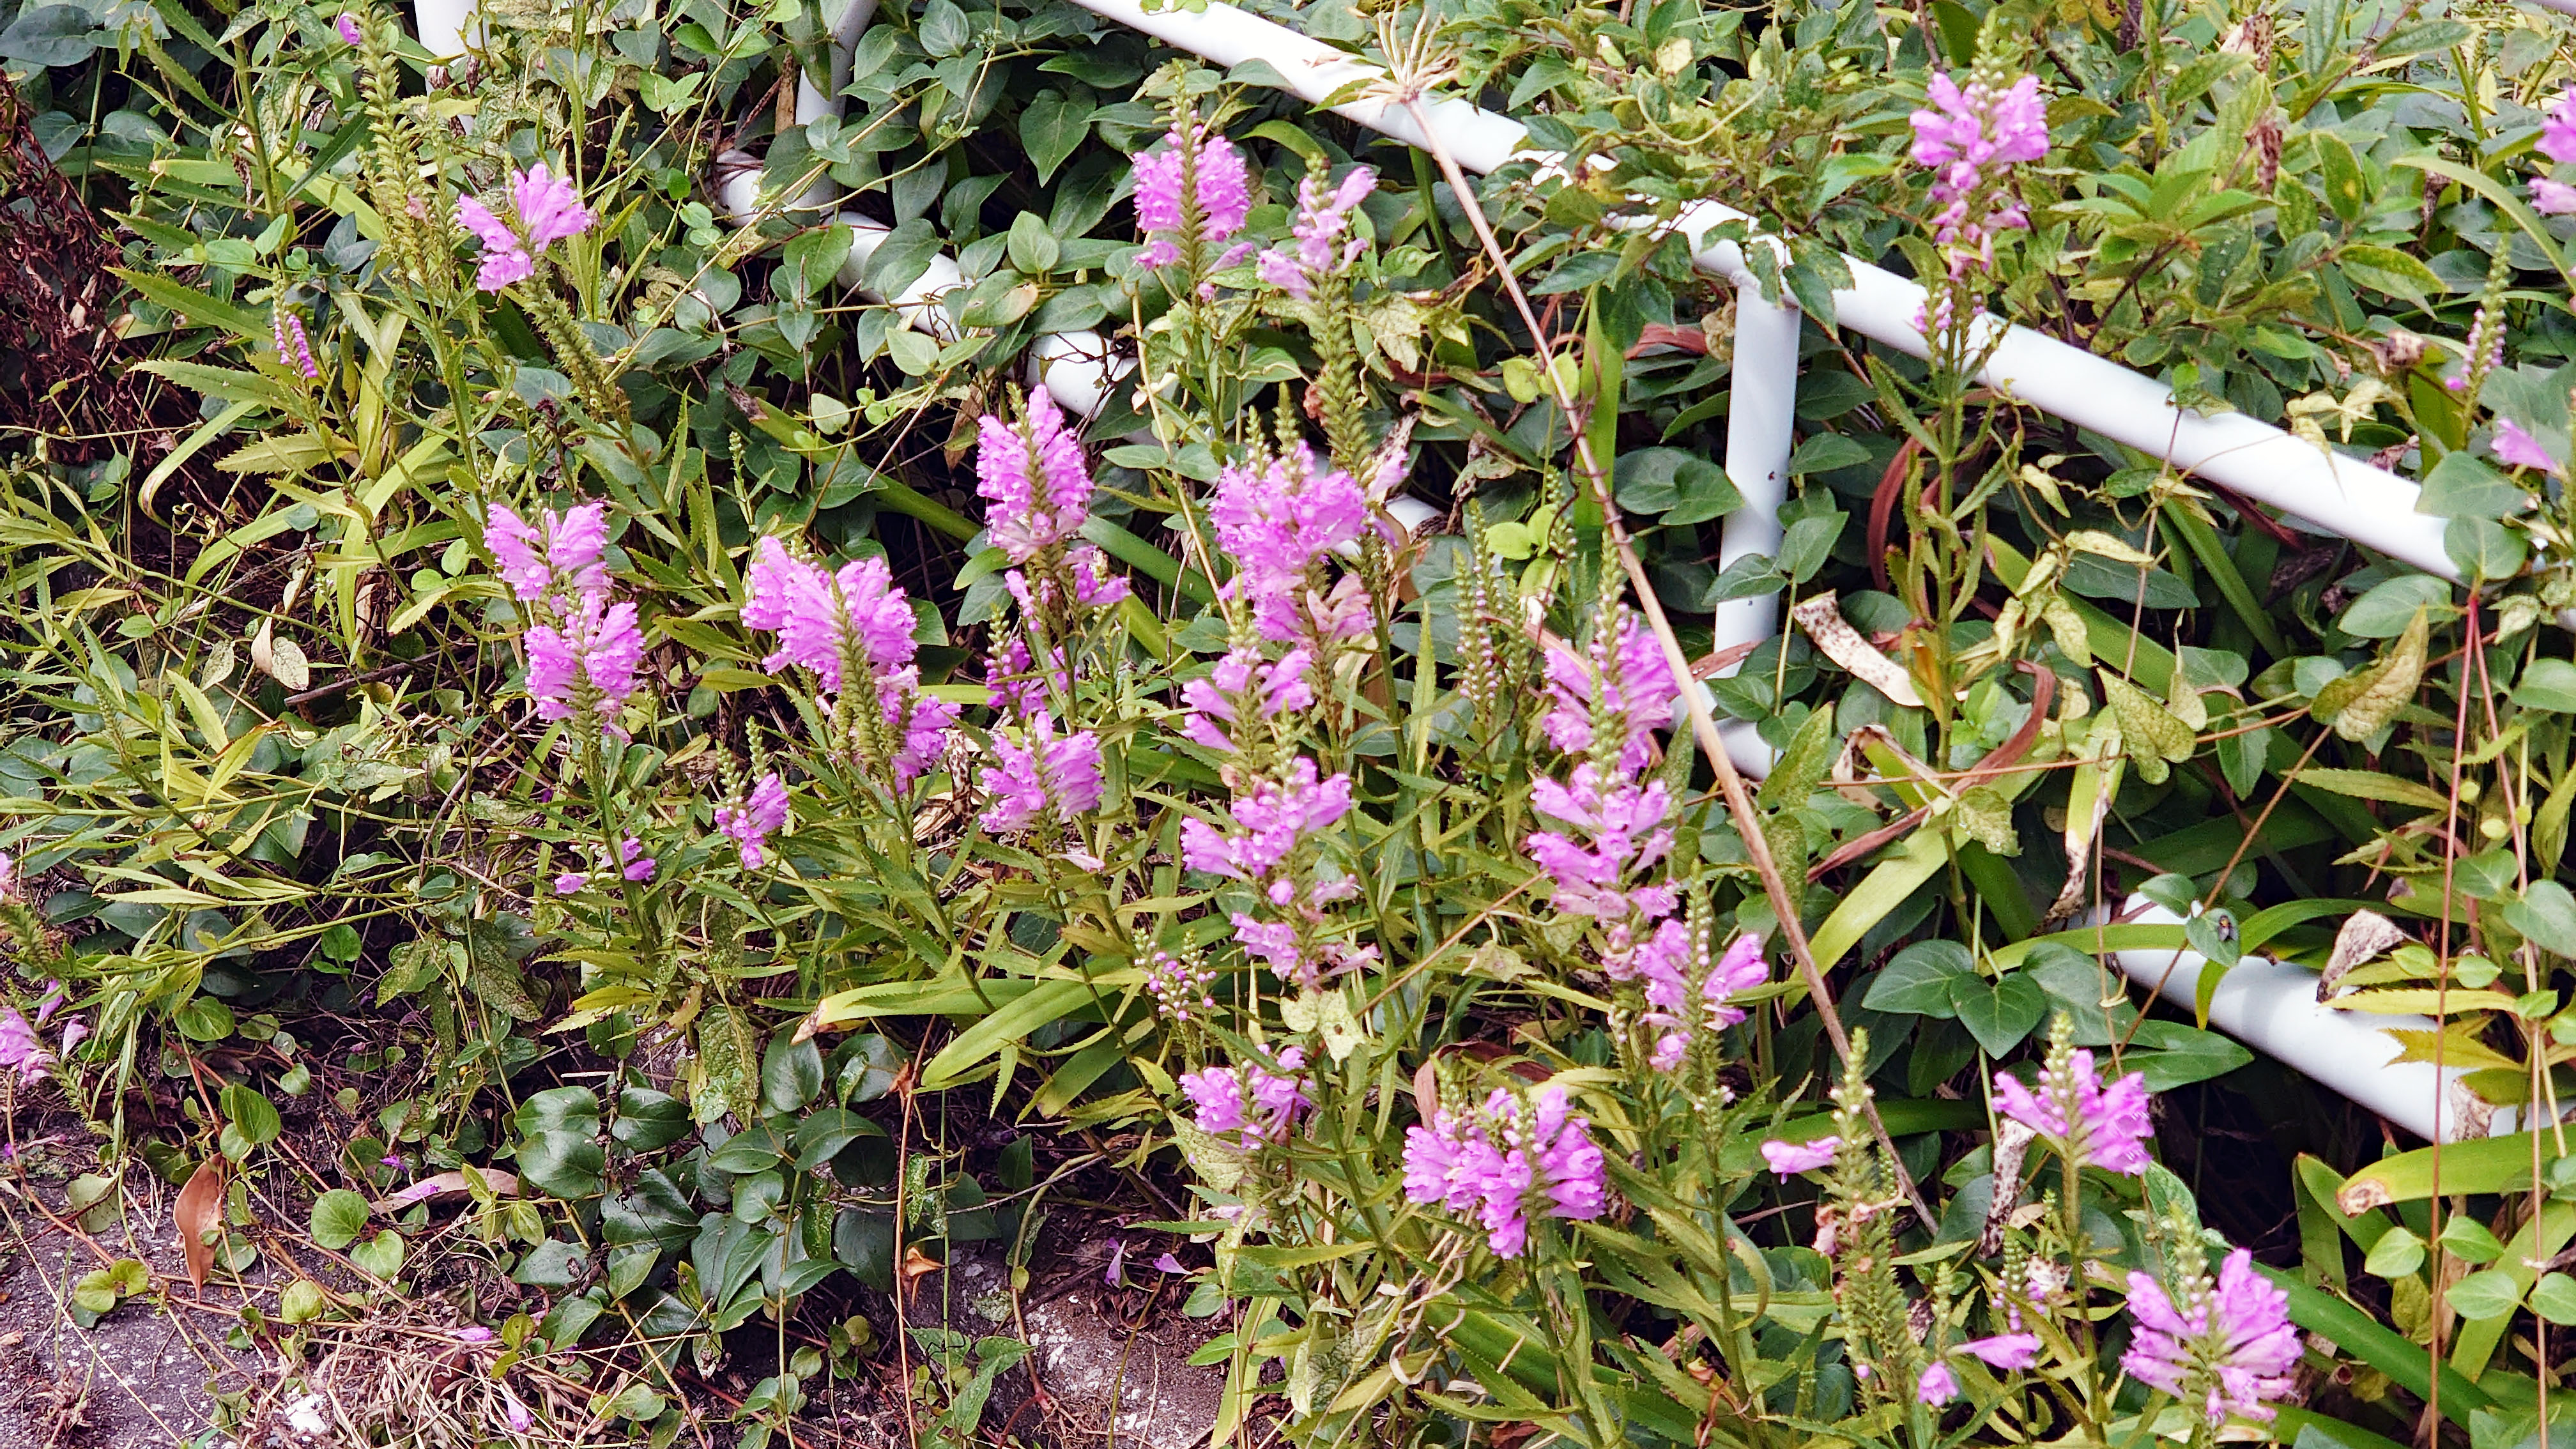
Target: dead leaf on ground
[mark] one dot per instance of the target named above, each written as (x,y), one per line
(198,1214)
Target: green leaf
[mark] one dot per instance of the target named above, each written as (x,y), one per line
(647,1119)
(250,1114)
(2396,1254)
(754,1150)
(1998,1013)
(2462,487)
(2554,1298)
(2369,785)
(338,1217)
(562,1165)
(559,1109)
(2548,684)
(2170,1054)
(49,36)
(1051,128)
(2484,549)
(2468,1238)
(865,1067)
(1051,999)
(2347,191)
(821,1135)
(302,1302)
(2359,704)
(2490,1294)
(791,1072)
(2385,269)
(1684,487)
(2546,916)
(1922,980)
(381,1255)
(2385,611)
(553,1263)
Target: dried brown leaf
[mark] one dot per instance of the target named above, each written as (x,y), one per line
(199,1213)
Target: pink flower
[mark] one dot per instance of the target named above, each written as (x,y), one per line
(2552,198)
(1195,177)
(2231,1348)
(1247,1103)
(566,550)
(751,823)
(1937,1386)
(1678,972)
(1033,477)
(1269,821)
(2520,449)
(74,1031)
(826,619)
(1962,135)
(474,1333)
(1276,521)
(2005,1350)
(1239,685)
(2558,129)
(1788,1157)
(1627,833)
(548,207)
(586,666)
(1504,1164)
(1321,220)
(569,882)
(549,211)
(51,1003)
(347,25)
(19,1051)
(2100,1126)
(1048,775)
(638,866)
(1621,676)
(1169,1264)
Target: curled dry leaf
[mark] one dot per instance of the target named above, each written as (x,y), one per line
(280,659)
(1822,618)
(198,1214)
(2366,936)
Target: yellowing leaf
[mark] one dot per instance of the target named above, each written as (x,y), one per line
(2154,737)
(2360,703)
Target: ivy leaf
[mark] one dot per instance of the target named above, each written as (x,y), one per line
(2360,703)
(1051,128)
(1998,1013)
(338,1217)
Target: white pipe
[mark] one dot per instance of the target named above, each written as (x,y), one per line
(1763,381)
(2371,506)
(447,27)
(2272,1007)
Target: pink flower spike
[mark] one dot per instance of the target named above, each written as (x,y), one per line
(2520,449)
(1790,1157)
